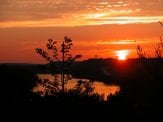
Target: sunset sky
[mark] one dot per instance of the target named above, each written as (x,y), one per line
(97,27)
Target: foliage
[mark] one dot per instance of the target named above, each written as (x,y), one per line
(84,87)
(141,54)
(159,49)
(65,48)
(53,87)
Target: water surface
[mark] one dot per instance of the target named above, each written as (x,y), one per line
(100,87)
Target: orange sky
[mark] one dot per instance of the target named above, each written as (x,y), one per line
(97,27)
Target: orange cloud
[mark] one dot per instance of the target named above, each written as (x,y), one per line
(52,13)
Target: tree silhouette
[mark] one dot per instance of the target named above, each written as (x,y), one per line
(159,49)
(66,58)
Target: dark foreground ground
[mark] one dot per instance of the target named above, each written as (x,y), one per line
(139,100)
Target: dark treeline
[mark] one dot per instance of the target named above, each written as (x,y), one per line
(105,70)
(139,99)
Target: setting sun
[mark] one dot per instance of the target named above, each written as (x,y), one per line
(122,54)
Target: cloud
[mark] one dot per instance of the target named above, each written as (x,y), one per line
(74,12)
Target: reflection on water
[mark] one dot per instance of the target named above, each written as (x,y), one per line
(100,87)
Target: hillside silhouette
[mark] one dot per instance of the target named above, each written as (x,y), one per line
(140,95)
